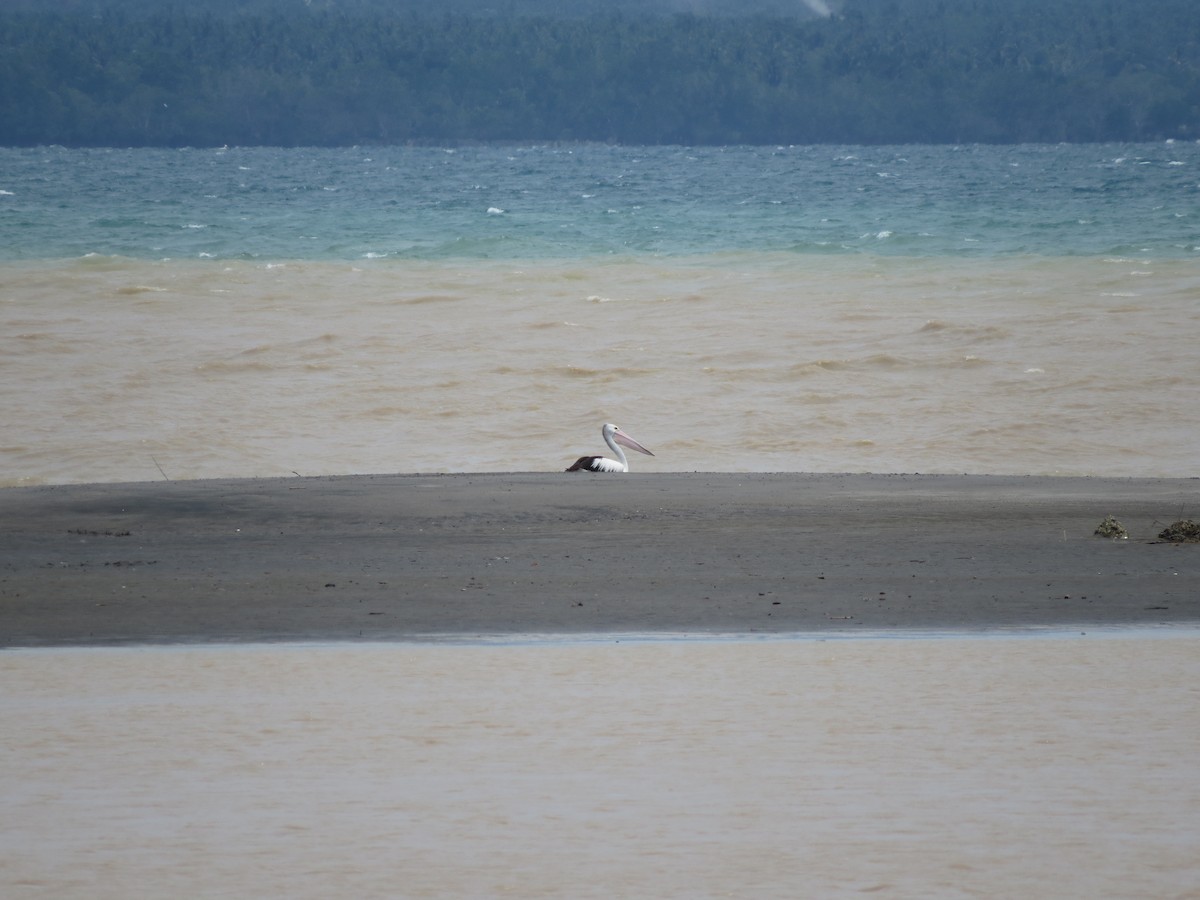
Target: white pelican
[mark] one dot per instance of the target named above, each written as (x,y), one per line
(612,436)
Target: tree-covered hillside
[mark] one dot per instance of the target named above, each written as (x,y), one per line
(283,72)
(561,9)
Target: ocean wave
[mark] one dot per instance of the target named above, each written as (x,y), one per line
(134,289)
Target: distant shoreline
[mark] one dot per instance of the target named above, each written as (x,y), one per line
(429,557)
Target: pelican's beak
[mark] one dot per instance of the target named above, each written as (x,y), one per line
(622,438)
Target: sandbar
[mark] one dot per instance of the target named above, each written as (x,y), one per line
(452,557)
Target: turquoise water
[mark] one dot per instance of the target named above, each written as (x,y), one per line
(584,201)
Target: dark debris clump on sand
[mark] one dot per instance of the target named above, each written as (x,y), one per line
(1185,531)
(1111,528)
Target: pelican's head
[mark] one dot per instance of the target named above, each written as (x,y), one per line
(612,431)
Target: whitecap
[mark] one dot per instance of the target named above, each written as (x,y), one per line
(495,211)
(4,193)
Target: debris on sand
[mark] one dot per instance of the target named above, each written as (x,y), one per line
(1111,528)
(1185,531)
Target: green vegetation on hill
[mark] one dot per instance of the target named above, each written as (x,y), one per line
(283,72)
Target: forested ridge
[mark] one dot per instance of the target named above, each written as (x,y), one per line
(323,73)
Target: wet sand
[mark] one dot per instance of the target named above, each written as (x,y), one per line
(393,557)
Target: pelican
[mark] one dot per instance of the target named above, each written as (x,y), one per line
(613,436)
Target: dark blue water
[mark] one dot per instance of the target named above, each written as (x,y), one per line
(583,201)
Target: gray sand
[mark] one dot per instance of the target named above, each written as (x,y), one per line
(389,557)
